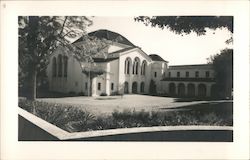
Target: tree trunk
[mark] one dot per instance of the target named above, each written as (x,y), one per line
(90,87)
(32,86)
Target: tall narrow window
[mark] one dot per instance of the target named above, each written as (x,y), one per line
(207,74)
(136,65)
(155,74)
(112,86)
(99,86)
(65,62)
(187,74)
(178,74)
(127,66)
(60,65)
(143,67)
(169,74)
(197,74)
(54,67)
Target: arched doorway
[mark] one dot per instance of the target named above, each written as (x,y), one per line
(181,90)
(134,87)
(142,87)
(172,89)
(126,89)
(202,90)
(191,90)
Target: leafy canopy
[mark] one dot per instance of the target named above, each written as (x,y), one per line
(188,24)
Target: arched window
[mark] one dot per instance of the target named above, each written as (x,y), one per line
(60,65)
(136,65)
(54,67)
(143,67)
(134,87)
(191,90)
(172,89)
(126,88)
(181,89)
(202,89)
(127,66)
(65,62)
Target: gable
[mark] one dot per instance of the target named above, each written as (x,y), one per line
(135,53)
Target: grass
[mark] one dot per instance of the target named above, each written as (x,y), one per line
(75,119)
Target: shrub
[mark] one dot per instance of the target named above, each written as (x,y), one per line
(75,119)
(64,116)
(81,94)
(103,94)
(72,93)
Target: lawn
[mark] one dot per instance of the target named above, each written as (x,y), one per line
(106,105)
(76,114)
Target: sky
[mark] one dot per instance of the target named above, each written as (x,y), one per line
(177,49)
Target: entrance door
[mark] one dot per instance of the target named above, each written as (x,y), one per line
(126,88)
(134,87)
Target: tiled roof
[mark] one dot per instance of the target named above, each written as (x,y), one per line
(109,35)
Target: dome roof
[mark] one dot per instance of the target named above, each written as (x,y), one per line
(109,35)
(156,57)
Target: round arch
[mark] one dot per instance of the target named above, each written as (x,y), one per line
(181,89)
(134,87)
(60,65)
(190,90)
(142,87)
(202,89)
(136,65)
(126,88)
(143,67)
(172,88)
(127,65)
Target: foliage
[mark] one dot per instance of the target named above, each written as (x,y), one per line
(64,116)
(39,36)
(188,24)
(75,119)
(223,67)
(103,94)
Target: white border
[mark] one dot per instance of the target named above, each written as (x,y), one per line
(12,149)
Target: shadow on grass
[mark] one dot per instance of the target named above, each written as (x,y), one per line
(222,109)
(187,99)
(108,98)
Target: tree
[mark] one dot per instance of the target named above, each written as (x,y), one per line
(40,36)
(188,24)
(223,67)
(85,52)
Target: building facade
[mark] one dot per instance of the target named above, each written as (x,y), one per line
(127,69)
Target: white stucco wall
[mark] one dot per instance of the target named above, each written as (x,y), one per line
(132,77)
(201,70)
(75,80)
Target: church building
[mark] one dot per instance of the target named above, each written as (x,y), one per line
(127,70)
